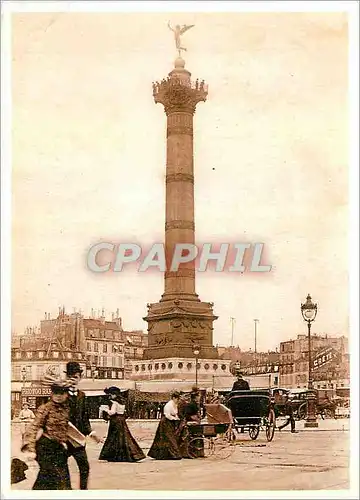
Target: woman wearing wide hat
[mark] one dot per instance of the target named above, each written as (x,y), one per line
(120,446)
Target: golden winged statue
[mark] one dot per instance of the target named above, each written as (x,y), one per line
(178,31)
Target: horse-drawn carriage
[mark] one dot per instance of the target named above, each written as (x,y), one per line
(252,411)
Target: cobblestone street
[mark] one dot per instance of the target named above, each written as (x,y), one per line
(311,459)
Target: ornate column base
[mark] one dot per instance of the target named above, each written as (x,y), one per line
(176,326)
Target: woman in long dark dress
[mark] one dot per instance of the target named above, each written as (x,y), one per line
(166,442)
(120,446)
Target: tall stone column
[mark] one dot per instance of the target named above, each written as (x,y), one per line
(179,98)
(180,319)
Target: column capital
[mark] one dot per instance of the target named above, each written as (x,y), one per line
(179,96)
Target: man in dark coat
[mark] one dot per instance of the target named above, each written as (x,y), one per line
(240,384)
(79,417)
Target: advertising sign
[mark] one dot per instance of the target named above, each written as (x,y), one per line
(325,356)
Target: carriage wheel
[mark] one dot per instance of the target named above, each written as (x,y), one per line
(270,425)
(223,448)
(302,411)
(329,413)
(200,447)
(254,432)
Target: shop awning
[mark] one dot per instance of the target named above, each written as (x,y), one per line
(94,393)
(91,388)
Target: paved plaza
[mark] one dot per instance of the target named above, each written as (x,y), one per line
(312,459)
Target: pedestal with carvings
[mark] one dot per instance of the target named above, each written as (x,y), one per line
(180,320)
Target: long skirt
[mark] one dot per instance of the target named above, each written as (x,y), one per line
(166,442)
(52,459)
(120,446)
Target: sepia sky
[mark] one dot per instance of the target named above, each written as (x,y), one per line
(270,163)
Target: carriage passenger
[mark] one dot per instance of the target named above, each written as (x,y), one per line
(240,384)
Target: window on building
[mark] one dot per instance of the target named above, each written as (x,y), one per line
(170,365)
(39,371)
(17,373)
(18,355)
(88,346)
(223,367)
(180,365)
(156,366)
(29,354)
(104,347)
(55,354)
(96,347)
(102,334)
(113,374)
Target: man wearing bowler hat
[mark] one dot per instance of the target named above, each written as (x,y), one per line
(79,417)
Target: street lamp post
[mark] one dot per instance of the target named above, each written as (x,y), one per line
(196,351)
(232,320)
(256,321)
(309,312)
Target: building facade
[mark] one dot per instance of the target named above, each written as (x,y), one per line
(329,371)
(29,365)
